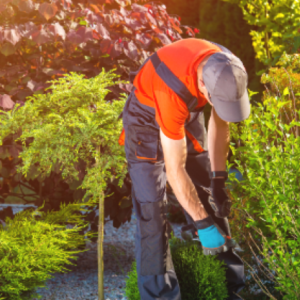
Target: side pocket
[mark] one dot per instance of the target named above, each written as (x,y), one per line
(147,146)
(142,143)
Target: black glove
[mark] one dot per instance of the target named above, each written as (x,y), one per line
(219,200)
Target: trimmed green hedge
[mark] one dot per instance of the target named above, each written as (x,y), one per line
(200,277)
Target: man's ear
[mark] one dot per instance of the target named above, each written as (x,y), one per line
(201,83)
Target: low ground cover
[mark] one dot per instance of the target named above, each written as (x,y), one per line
(35,244)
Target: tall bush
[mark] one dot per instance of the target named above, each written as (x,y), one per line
(224,24)
(73,124)
(277,24)
(268,159)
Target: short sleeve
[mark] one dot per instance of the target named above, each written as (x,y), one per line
(171,112)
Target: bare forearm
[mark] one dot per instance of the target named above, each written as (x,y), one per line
(218,142)
(175,153)
(186,194)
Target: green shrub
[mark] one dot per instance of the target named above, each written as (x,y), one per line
(269,195)
(131,289)
(199,276)
(35,244)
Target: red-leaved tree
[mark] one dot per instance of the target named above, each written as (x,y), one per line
(42,39)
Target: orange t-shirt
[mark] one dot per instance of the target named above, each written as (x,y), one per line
(182,58)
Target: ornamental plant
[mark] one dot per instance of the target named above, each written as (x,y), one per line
(199,276)
(73,124)
(268,197)
(131,289)
(35,244)
(40,40)
(277,27)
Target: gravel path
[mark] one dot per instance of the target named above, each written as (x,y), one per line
(81,283)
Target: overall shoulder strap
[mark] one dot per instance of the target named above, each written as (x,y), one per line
(173,82)
(134,73)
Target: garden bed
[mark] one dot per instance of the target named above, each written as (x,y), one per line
(81,283)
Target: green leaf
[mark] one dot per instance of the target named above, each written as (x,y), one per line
(251,93)
(279,16)
(286,91)
(14,200)
(7,49)
(281,104)
(125,202)
(259,73)
(83,23)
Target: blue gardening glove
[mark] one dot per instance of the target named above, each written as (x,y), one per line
(212,237)
(219,200)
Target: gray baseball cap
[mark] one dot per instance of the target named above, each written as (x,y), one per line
(226,80)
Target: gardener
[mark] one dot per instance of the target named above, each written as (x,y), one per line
(165,138)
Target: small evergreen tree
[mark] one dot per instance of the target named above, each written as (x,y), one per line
(73,123)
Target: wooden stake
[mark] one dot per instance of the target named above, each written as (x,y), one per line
(100,242)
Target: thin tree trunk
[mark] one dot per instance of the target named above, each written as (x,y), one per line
(100,243)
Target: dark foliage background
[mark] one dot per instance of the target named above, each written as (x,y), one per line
(40,40)
(223,23)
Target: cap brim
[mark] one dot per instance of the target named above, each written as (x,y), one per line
(236,111)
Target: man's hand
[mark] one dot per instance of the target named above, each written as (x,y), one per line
(212,237)
(219,200)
